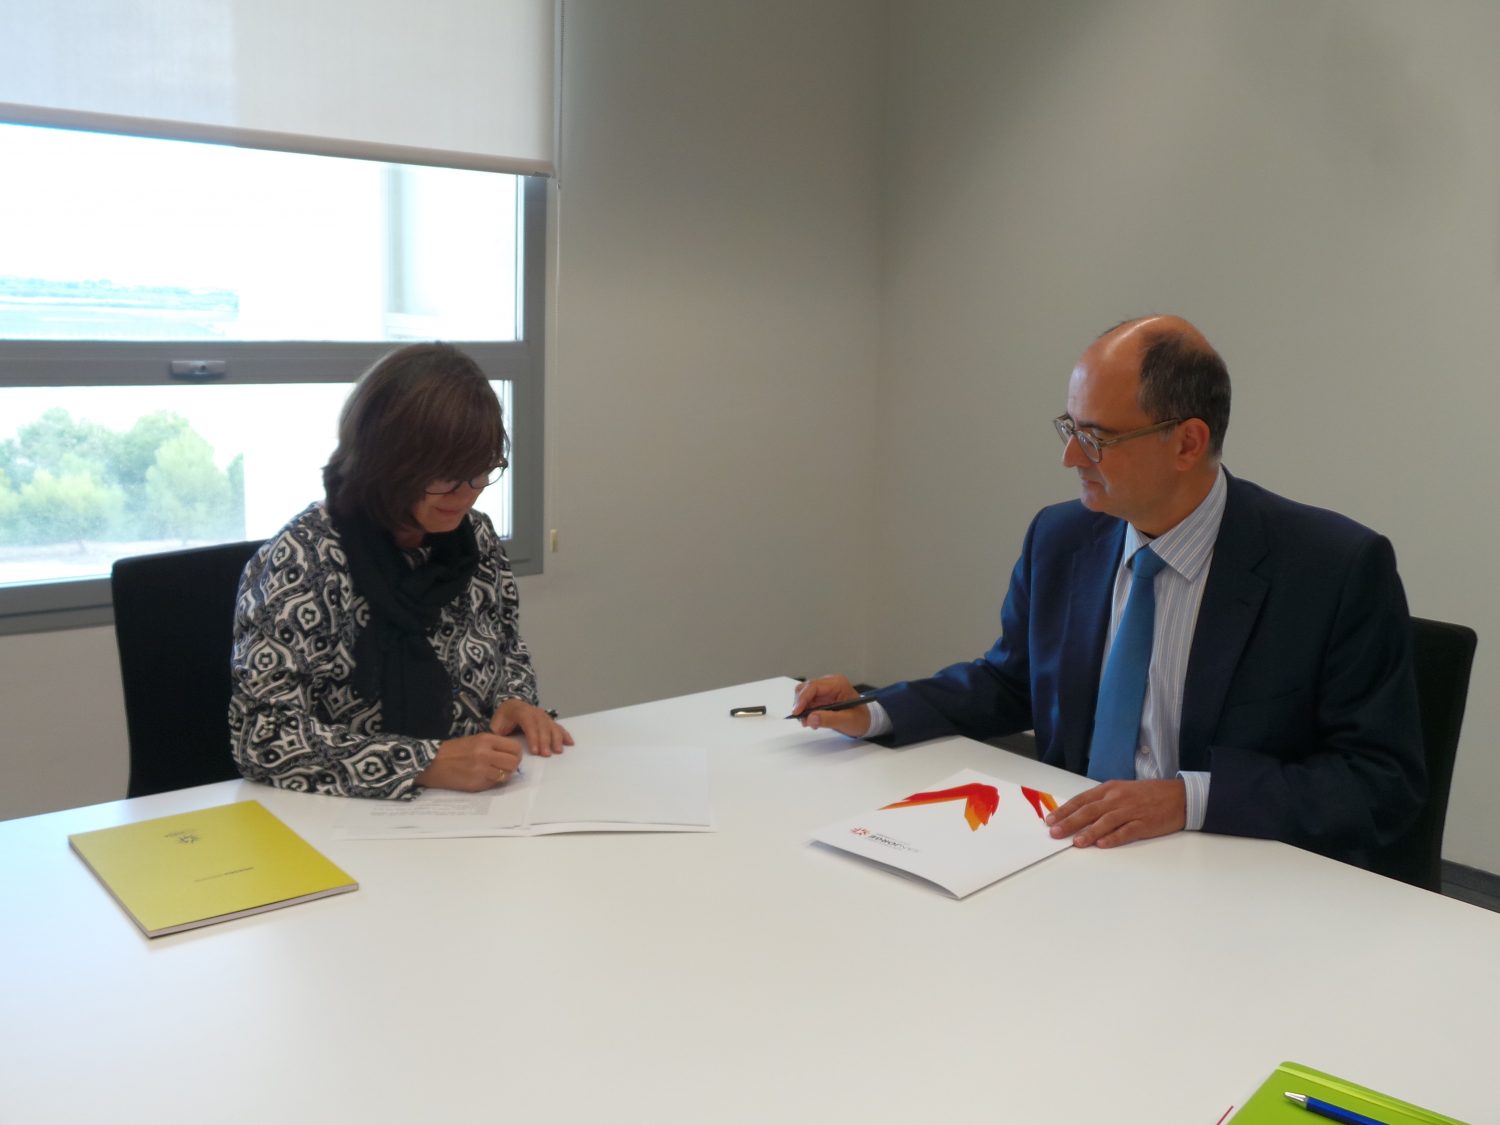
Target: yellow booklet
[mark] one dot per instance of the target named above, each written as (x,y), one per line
(193,869)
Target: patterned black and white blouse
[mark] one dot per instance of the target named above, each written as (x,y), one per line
(294,718)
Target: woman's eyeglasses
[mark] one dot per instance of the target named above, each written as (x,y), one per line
(478,484)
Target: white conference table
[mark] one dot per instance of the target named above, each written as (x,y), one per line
(744,975)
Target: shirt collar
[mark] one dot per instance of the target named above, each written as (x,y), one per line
(1187,547)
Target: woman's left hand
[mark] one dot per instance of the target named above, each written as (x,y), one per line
(543,734)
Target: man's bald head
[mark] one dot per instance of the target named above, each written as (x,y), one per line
(1181,374)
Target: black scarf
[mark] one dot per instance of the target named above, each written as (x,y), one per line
(394,663)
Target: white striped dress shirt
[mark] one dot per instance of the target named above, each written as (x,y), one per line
(1187,549)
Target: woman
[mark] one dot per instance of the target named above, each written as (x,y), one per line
(376,646)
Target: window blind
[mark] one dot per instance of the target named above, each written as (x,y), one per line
(463,83)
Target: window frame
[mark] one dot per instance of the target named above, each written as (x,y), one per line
(83,603)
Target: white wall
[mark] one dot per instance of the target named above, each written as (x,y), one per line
(1316,184)
(709,417)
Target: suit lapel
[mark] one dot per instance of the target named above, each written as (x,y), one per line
(1232,597)
(1091,585)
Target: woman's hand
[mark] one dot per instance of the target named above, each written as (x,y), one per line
(541,731)
(472,763)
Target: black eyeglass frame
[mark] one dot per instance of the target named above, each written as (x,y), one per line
(1093,445)
(478,484)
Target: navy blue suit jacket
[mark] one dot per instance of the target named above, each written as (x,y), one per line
(1299,697)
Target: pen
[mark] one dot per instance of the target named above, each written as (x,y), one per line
(1332,1112)
(857,701)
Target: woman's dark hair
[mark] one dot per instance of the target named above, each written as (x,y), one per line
(422,413)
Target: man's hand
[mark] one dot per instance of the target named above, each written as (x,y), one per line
(830,689)
(1119,812)
(472,763)
(543,734)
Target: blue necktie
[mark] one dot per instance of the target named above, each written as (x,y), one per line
(1122,692)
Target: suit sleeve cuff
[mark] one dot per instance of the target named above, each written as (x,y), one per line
(1197,797)
(880,722)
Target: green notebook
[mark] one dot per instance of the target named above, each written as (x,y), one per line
(1269,1106)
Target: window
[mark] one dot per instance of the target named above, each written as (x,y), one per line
(179,323)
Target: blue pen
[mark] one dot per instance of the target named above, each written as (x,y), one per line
(1332,1112)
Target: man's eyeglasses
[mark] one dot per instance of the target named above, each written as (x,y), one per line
(478,484)
(1093,445)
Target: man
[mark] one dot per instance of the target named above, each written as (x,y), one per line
(1248,673)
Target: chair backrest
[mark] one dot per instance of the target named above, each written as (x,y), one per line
(1442,656)
(174,624)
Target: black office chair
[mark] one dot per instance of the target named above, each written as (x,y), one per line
(174,624)
(1443,656)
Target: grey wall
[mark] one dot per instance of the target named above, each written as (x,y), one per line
(716,307)
(824,267)
(1316,184)
(62,722)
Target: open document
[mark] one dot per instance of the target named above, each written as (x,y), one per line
(589,788)
(962,833)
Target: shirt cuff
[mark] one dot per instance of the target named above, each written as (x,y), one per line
(880,722)
(1197,797)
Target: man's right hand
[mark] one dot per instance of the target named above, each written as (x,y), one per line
(830,689)
(473,763)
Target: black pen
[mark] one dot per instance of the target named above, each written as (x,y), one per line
(1331,1111)
(857,701)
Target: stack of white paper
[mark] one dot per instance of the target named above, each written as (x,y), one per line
(587,789)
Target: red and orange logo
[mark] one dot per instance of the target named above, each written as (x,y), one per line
(980,801)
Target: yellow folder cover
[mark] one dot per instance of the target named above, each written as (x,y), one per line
(193,869)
